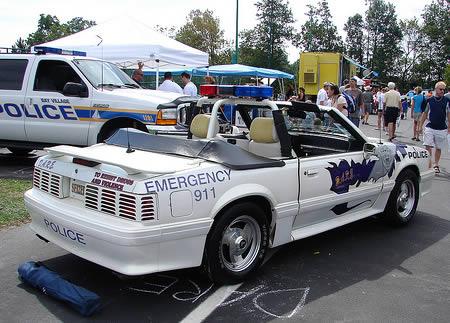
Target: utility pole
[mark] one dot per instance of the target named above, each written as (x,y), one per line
(235,57)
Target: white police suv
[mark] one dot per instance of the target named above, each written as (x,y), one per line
(62,97)
(140,203)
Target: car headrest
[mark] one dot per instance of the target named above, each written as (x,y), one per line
(199,126)
(263,130)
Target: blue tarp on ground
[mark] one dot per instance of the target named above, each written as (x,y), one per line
(227,70)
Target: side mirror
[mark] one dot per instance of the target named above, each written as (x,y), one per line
(369,150)
(75,89)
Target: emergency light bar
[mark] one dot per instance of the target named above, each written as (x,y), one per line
(263,92)
(52,50)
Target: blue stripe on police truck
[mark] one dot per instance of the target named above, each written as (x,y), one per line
(67,112)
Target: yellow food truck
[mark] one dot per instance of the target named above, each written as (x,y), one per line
(315,68)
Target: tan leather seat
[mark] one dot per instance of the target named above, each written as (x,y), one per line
(199,126)
(263,138)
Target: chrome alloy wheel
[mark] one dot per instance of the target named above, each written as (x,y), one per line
(241,242)
(405,198)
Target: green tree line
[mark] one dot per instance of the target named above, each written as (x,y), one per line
(409,52)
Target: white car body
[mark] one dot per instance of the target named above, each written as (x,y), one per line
(35,112)
(176,199)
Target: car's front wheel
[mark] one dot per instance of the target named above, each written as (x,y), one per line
(402,203)
(237,243)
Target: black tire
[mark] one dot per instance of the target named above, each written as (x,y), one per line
(20,151)
(402,203)
(235,226)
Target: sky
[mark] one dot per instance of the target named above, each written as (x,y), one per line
(19,17)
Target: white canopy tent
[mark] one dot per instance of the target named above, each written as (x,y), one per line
(125,42)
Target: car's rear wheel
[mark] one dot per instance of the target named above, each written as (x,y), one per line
(402,204)
(20,151)
(237,243)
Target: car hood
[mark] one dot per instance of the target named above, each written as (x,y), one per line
(154,96)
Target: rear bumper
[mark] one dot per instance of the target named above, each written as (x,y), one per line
(130,248)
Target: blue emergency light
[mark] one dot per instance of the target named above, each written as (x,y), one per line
(52,50)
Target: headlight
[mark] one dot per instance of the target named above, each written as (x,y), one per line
(167,117)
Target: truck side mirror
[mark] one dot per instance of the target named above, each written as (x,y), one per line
(75,89)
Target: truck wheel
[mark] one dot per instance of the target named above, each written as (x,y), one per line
(109,129)
(20,151)
(237,243)
(402,203)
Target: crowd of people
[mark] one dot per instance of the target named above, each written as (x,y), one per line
(430,111)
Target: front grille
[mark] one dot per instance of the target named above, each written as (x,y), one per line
(121,204)
(48,182)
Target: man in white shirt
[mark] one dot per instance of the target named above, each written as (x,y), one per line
(322,97)
(189,87)
(168,85)
(392,106)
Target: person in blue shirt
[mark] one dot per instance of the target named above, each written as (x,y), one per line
(437,129)
(416,112)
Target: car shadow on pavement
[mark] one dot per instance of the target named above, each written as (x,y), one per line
(13,166)
(295,276)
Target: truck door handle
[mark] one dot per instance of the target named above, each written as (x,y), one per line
(311,172)
(30,101)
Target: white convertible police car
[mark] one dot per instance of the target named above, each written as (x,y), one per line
(141,203)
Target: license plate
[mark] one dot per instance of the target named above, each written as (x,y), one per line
(78,189)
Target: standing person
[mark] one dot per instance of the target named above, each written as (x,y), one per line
(438,113)
(392,106)
(169,85)
(416,112)
(289,92)
(138,74)
(322,96)
(189,87)
(380,108)
(337,100)
(357,98)
(209,80)
(367,98)
(301,94)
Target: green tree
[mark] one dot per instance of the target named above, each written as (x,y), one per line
(202,31)
(354,27)
(264,45)
(383,38)
(50,28)
(319,33)
(411,48)
(436,40)
(20,46)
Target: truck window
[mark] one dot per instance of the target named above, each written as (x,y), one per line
(12,72)
(51,76)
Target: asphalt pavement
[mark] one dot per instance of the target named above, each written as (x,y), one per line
(365,271)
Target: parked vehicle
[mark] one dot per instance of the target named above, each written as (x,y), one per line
(48,98)
(141,204)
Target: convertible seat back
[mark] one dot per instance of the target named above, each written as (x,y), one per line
(263,138)
(199,126)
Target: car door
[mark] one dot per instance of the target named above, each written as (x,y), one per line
(12,97)
(335,178)
(52,117)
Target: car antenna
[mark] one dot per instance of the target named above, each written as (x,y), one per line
(129,149)
(101,41)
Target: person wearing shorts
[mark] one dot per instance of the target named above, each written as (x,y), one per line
(392,104)
(437,129)
(416,112)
